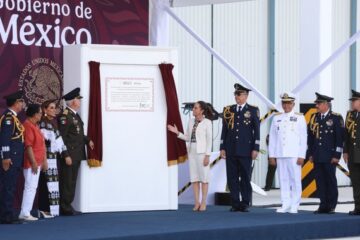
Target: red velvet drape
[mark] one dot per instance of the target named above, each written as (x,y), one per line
(95,120)
(176,148)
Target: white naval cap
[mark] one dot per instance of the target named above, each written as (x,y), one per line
(287,97)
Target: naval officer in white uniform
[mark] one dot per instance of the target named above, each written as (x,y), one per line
(287,146)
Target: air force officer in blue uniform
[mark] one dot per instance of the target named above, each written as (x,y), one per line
(326,140)
(12,151)
(240,139)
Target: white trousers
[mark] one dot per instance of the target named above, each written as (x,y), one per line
(31,184)
(290,182)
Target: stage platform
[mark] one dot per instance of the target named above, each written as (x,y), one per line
(216,223)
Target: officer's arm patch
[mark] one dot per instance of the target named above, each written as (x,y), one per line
(8,120)
(63,120)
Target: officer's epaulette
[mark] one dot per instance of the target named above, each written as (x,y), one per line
(277,113)
(335,113)
(253,106)
(297,113)
(227,108)
(65,112)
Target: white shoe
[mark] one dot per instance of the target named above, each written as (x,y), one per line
(293,211)
(27,218)
(283,210)
(46,215)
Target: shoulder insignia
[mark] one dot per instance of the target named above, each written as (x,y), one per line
(336,114)
(300,114)
(277,113)
(253,106)
(65,112)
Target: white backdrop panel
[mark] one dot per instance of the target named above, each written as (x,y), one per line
(134,175)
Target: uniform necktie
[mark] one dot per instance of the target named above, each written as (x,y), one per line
(239,108)
(322,116)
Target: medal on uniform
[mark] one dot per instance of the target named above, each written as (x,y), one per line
(247,114)
(329,122)
(78,129)
(293,119)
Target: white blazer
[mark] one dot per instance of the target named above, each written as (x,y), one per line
(203,135)
(288,136)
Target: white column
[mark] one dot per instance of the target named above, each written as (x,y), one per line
(159,23)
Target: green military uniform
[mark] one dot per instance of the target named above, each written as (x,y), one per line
(71,128)
(352,148)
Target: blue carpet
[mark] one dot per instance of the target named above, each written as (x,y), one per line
(216,223)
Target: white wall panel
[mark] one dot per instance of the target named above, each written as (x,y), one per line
(194,61)
(287,45)
(241,36)
(341,66)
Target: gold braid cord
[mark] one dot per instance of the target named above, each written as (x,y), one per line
(229,117)
(350,125)
(20,127)
(314,127)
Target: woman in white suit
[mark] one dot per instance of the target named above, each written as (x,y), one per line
(199,136)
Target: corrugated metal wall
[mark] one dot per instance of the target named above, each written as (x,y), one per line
(287,45)
(341,66)
(194,61)
(240,34)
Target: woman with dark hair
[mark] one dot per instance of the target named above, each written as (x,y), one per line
(199,134)
(49,195)
(34,158)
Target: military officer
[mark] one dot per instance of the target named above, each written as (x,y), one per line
(352,148)
(12,149)
(72,131)
(240,139)
(287,146)
(325,146)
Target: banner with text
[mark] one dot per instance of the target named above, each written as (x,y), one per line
(33,32)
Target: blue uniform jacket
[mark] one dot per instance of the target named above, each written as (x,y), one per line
(326,137)
(12,138)
(240,131)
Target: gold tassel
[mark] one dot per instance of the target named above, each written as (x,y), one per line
(229,117)
(180,159)
(94,163)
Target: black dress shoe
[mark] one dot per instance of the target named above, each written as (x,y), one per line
(76,213)
(331,211)
(321,211)
(15,221)
(66,213)
(266,189)
(354,213)
(235,209)
(244,209)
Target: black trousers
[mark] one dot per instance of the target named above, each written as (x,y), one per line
(270,176)
(67,184)
(239,167)
(326,184)
(8,184)
(354,169)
